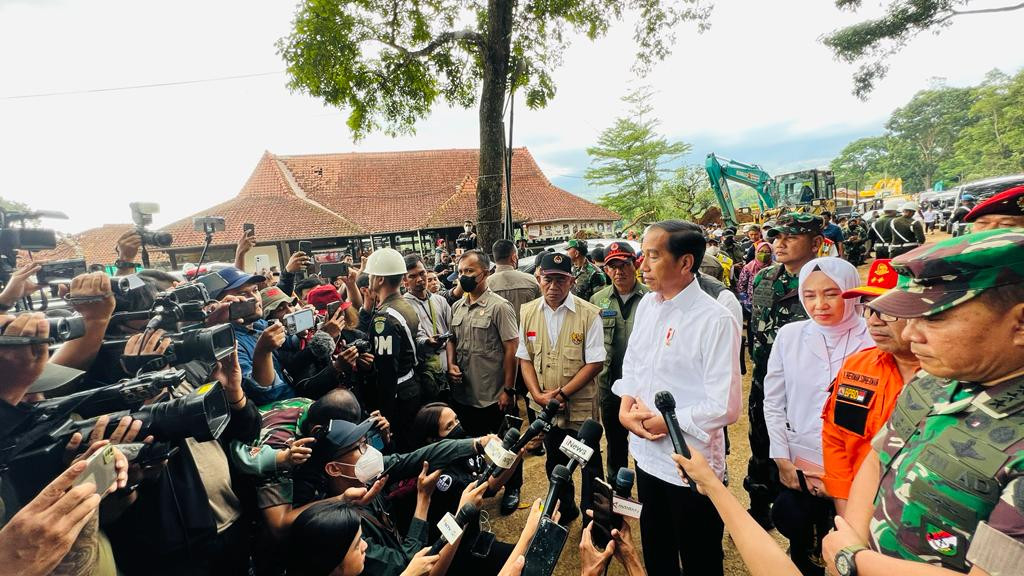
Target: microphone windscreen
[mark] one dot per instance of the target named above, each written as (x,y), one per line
(664,401)
(511,437)
(624,480)
(560,473)
(590,433)
(322,345)
(466,513)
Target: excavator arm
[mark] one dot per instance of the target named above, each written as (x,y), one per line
(721,171)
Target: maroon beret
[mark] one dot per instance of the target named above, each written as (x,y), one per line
(1008,202)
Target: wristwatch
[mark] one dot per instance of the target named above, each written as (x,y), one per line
(845,562)
(511,392)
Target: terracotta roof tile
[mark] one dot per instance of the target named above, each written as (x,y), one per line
(357,194)
(96,245)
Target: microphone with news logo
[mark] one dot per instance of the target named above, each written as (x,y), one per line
(467,514)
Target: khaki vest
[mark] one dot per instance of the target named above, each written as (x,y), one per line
(556,366)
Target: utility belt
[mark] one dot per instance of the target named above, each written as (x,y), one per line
(882,244)
(904,245)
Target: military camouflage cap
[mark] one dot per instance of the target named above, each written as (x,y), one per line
(797,223)
(937,277)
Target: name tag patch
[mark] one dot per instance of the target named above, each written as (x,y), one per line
(607,313)
(854,394)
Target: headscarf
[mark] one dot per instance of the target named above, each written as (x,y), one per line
(845,275)
(755,265)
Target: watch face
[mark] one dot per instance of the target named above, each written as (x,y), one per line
(843,565)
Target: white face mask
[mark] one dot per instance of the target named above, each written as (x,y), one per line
(370,465)
(713,250)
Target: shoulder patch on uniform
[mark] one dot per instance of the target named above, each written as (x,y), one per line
(444,482)
(378,324)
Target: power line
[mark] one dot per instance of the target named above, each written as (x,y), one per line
(138,86)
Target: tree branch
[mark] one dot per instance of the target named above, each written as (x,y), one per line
(954,13)
(445,37)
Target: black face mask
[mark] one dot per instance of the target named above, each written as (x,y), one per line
(456,433)
(468,283)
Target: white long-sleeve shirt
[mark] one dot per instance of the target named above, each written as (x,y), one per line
(689,346)
(800,370)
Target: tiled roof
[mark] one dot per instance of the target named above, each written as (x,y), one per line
(96,245)
(278,210)
(358,194)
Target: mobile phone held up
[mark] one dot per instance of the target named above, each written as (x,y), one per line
(299,321)
(249,229)
(334,270)
(99,469)
(604,519)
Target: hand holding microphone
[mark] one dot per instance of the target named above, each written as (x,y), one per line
(666,404)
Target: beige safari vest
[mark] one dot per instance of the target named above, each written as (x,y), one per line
(556,366)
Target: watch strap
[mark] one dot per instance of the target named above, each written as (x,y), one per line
(850,552)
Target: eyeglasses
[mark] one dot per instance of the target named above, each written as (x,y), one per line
(866,311)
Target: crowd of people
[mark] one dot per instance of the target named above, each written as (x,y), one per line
(282,422)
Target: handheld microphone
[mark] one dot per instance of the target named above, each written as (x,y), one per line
(666,404)
(624,480)
(540,424)
(510,440)
(559,478)
(466,514)
(322,345)
(590,434)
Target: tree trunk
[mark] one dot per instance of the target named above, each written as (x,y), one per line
(496,49)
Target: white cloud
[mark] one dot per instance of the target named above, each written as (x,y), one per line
(760,69)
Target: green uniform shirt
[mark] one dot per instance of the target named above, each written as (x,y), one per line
(588,280)
(775,303)
(952,461)
(617,319)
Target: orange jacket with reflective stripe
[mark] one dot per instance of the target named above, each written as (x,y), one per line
(861,399)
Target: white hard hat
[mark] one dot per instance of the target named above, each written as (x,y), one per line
(385,262)
(912,206)
(891,206)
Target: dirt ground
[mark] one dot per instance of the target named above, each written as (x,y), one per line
(535,486)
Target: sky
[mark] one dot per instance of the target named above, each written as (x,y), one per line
(758,87)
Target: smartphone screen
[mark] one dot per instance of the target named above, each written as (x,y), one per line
(249,229)
(306,247)
(300,321)
(242,309)
(604,519)
(332,309)
(99,470)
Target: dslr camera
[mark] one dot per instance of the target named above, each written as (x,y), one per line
(142,215)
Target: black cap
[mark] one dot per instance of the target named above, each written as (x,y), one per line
(556,263)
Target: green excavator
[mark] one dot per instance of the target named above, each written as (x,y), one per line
(806,191)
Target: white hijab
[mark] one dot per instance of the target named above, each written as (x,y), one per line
(845,275)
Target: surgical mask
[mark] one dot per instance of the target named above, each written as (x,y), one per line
(764,257)
(713,250)
(468,283)
(370,465)
(456,433)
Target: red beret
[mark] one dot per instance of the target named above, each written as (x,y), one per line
(323,295)
(1008,202)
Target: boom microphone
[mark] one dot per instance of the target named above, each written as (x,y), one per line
(623,483)
(559,478)
(666,404)
(466,514)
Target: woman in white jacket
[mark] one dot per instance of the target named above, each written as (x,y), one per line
(805,359)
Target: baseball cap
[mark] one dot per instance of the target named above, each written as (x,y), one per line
(322,295)
(797,223)
(555,263)
(343,434)
(882,277)
(937,277)
(1008,202)
(236,279)
(620,251)
(578,244)
(273,297)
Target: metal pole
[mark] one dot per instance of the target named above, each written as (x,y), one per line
(509,231)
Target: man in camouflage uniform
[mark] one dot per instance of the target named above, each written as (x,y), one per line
(796,240)
(588,278)
(854,244)
(945,482)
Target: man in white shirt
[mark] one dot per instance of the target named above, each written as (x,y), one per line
(684,342)
(435,319)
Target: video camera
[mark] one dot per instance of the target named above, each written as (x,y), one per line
(36,449)
(182,303)
(207,345)
(22,238)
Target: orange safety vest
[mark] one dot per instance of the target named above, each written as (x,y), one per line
(860,401)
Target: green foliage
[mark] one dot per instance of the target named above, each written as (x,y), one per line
(687,193)
(631,159)
(390,62)
(14,206)
(872,42)
(862,161)
(993,144)
(951,134)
